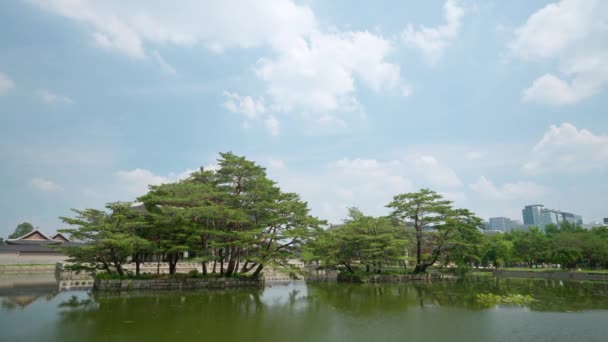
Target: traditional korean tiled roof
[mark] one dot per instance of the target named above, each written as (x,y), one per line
(34,237)
(60,237)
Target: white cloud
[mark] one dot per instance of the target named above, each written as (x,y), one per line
(569,33)
(44,185)
(130,28)
(432,41)
(50,97)
(367,183)
(508,191)
(567,148)
(429,168)
(253,110)
(273,125)
(318,73)
(550,89)
(311,70)
(164,66)
(134,183)
(6,84)
(246,105)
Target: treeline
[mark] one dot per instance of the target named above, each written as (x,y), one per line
(233,219)
(422,227)
(567,245)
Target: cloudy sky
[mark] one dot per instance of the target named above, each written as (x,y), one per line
(495,104)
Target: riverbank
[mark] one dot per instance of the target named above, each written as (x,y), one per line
(175,283)
(551,274)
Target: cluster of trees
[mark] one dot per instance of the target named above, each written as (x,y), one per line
(423,222)
(567,245)
(233,219)
(371,242)
(21,229)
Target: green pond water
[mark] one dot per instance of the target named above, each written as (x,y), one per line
(33,310)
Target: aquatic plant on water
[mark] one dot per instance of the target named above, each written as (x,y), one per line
(491,299)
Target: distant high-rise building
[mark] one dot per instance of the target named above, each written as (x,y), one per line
(606,220)
(531,214)
(503,224)
(538,215)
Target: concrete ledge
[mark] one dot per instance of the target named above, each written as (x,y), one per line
(27,268)
(552,275)
(119,285)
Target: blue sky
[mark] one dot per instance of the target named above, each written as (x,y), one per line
(494,104)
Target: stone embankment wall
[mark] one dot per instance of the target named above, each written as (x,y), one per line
(27,268)
(552,275)
(392,278)
(23,258)
(175,284)
(320,275)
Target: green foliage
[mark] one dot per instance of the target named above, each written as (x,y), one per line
(370,242)
(234,215)
(111,237)
(566,244)
(441,232)
(497,251)
(22,229)
(532,247)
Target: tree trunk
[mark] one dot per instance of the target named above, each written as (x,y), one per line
(258,270)
(420,268)
(158,264)
(221,262)
(231,262)
(173,263)
(119,269)
(350,269)
(238,261)
(204,268)
(245,270)
(418,250)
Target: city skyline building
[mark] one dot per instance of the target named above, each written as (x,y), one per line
(503,224)
(538,215)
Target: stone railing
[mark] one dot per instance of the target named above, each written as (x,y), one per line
(163,284)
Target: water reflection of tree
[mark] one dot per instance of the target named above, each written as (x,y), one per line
(233,315)
(550,295)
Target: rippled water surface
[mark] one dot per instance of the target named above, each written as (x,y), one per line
(32,309)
